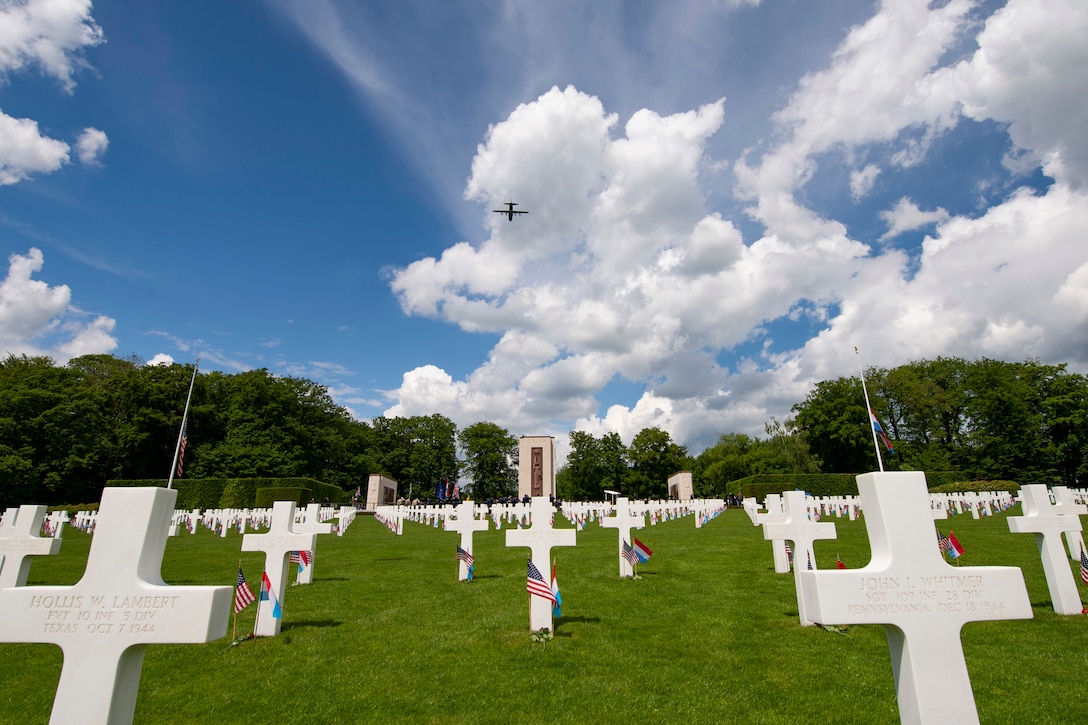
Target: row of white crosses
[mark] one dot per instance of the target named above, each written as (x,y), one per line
(468,518)
(85,520)
(837,506)
(580,513)
(104,623)
(978,504)
(921,601)
(392,517)
(796,524)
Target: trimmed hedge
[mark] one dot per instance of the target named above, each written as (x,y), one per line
(822,484)
(976,486)
(270,494)
(213,493)
(73,508)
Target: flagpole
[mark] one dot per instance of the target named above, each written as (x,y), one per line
(257,615)
(184,420)
(234,634)
(869,411)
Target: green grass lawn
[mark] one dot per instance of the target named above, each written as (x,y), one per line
(708,635)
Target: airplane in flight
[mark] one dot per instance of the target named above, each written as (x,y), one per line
(509,211)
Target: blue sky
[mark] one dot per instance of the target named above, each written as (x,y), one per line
(725,197)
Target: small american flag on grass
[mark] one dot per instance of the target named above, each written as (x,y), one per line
(243,595)
(629,554)
(464,556)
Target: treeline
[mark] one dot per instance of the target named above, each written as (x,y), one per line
(1024,421)
(641,470)
(66,430)
(982,420)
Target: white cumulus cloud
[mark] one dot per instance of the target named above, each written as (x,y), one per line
(905,216)
(49,34)
(621,273)
(39,319)
(90,146)
(25,151)
(1028,72)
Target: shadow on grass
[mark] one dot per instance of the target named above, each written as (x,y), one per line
(487,576)
(315,623)
(575,620)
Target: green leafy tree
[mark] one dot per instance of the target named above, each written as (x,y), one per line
(737,455)
(491,460)
(835,423)
(1007,434)
(654,457)
(593,465)
(787,450)
(420,451)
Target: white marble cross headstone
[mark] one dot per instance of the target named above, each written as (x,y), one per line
(775,515)
(57,520)
(1042,519)
(465,524)
(798,528)
(277,545)
(1065,503)
(19,541)
(310,525)
(104,623)
(344,517)
(623,521)
(540,538)
(920,599)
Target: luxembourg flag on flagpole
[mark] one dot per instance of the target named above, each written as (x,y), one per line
(267,593)
(880,431)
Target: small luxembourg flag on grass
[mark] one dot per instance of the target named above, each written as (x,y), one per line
(642,551)
(267,593)
(557,610)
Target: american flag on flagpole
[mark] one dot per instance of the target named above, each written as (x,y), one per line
(789,554)
(181,449)
(464,556)
(536,586)
(243,595)
(1083,566)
